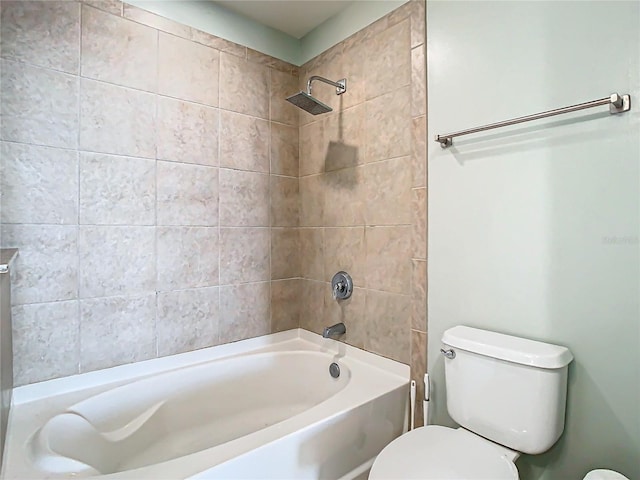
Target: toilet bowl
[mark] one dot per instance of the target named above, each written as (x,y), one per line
(491,379)
(604,475)
(451,454)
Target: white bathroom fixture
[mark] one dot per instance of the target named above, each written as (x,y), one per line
(263,407)
(604,475)
(508,394)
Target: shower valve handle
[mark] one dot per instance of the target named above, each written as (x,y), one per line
(341,286)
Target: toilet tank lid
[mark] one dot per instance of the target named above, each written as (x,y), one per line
(507,347)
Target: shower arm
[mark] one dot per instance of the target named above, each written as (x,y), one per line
(341,85)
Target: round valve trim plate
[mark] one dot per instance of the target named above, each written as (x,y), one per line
(341,286)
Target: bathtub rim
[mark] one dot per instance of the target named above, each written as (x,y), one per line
(130,372)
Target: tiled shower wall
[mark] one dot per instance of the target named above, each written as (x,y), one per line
(363,190)
(143,166)
(150,179)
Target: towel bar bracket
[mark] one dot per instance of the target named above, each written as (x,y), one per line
(619,103)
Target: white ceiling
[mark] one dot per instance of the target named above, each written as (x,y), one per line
(293,17)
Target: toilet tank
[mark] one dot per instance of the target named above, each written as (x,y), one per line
(508,389)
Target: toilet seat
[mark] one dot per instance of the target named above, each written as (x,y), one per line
(442,453)
(604,475)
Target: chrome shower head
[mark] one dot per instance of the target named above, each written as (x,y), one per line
(308,103)
(305,101)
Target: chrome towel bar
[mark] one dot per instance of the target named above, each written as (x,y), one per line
(617,104)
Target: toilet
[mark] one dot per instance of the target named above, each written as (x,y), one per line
(601,474)
(508,394)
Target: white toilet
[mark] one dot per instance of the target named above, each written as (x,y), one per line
(508,395)
(604,475)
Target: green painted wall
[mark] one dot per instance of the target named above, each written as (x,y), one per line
(217,20)
(534,229)
(212,18)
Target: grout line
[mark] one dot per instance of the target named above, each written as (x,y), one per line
(155,236)
(77,152)
(219,229)
(270,193)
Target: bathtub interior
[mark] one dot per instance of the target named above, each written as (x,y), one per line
(179,413)
(341,447)
(283,402)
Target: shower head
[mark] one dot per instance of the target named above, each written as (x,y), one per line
(305,101)
(308,103)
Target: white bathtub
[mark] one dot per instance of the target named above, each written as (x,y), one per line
(260,408)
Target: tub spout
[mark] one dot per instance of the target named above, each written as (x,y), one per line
(334,330)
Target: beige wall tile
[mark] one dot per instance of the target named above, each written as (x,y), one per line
(187,320)
(352,68)
(419,295)
(117,330)
(187,132)
(244,86)
(351,312)
(387,318)
(117,190)
(387,65)
(388,126)
(345,197)
(273,63)
(285,253)
(312,253)
(344,250)
(418,368)
(284,150)
(187,70)
(311,201)
(114,7)
(285,304)
(244,255)
(187,257)
(46,34)
(46,269)
(388,192)
(117,50)
(418,23)
(313,148)
(363,35)
(244,199)
(388,264)
(419,151)
(419,233)
(244,142)
(244,311)
(156,21)
(47,177)
(418,82)
(187,194)
(46,340)
(399,14)
(283,85)
(116,260)
(312,308)
(110,120)
(344,137)
(218,43)
(285,201)
(38,106)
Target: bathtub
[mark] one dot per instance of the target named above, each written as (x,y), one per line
(260,408)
